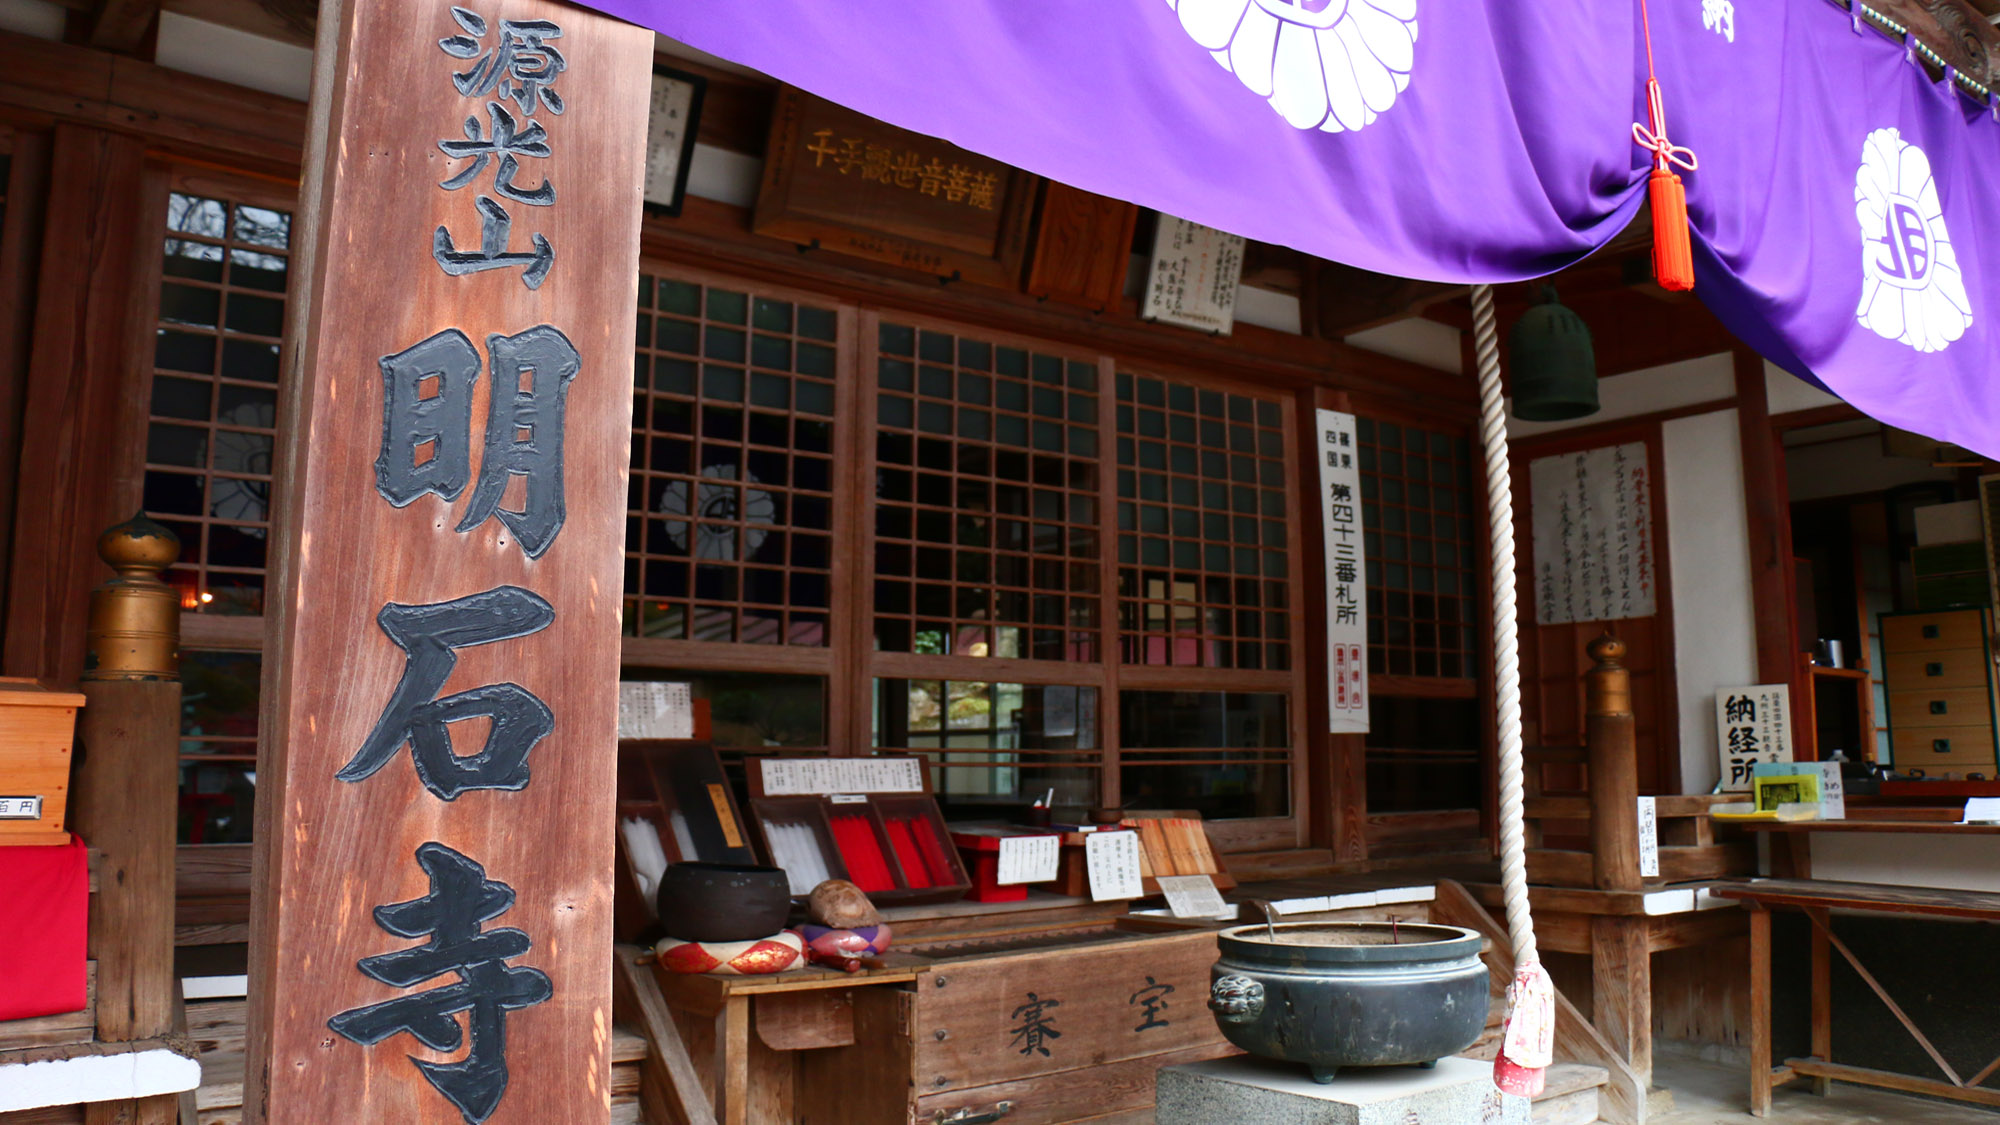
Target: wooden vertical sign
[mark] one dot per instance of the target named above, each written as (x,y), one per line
(431,938)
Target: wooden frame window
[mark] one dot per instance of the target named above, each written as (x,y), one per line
(1427,767)
(729,529)
(211,437)
(1204,577)
(973,562)
(212,424)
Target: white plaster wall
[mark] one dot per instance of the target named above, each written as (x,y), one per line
(32,17)
(724,176)
(1786,391)
(1708,541)
(1418,340)
(1967,863)
(1268,308)
(1646,391)
(228,55)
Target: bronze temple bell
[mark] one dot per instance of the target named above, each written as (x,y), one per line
(1552,363)
(135,618)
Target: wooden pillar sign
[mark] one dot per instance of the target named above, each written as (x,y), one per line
(431,940)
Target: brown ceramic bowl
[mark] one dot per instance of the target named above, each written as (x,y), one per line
(723,901)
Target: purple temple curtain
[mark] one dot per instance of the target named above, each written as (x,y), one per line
(1838,213)
(1844,210)
(1468,141)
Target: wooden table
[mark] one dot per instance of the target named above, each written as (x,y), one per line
(802,1002)
(1818,898)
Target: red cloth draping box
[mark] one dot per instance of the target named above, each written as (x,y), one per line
(44,918)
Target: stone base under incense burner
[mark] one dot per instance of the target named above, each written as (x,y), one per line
(1252,1091)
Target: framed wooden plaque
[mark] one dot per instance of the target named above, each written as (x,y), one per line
(843,181)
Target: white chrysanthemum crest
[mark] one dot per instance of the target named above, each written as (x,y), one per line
(1911,288)
(1333,65)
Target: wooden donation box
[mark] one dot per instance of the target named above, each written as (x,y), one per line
(1072,1031)
(431,929)
(1940,682)
(36,728)
(843,181)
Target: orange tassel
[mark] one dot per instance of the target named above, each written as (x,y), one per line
(1673,257)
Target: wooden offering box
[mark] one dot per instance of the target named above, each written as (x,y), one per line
(869,820)
(36,728)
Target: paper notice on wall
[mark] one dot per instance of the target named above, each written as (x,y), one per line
(1028,859)
(1752,724)
(1194,896)
(1593,522)
(1649,839)
(655,709)
(1194,276)
(1346,574)
(1112,860)
(811,777)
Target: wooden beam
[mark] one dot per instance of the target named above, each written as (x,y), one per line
(1888,1080)
(168,110)
(1621,990)
(1346,300)
(1768,511)
(92,348)
(123,25)
(20,260)
(395,566)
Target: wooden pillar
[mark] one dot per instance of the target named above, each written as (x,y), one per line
(1760,1010)
(1611,744)
(1621,982)
(435,809)
(126,779)
(1337,768)
(81,460)
(1767,508)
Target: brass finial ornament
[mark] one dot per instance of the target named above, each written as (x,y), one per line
(135,618)
(1553,365)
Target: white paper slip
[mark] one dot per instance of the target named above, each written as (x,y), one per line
(1112,859)
(1028,859)
(1832,791)
(1194,896)
(1649,839)
(1982,810)
(655,709)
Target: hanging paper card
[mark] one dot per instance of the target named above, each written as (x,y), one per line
(1649,839)
(1346,575)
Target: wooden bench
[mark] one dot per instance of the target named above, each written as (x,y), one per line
(1817,899)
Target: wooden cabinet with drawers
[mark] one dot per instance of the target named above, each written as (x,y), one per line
(1940,682)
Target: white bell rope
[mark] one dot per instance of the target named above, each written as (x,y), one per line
(1531,990)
